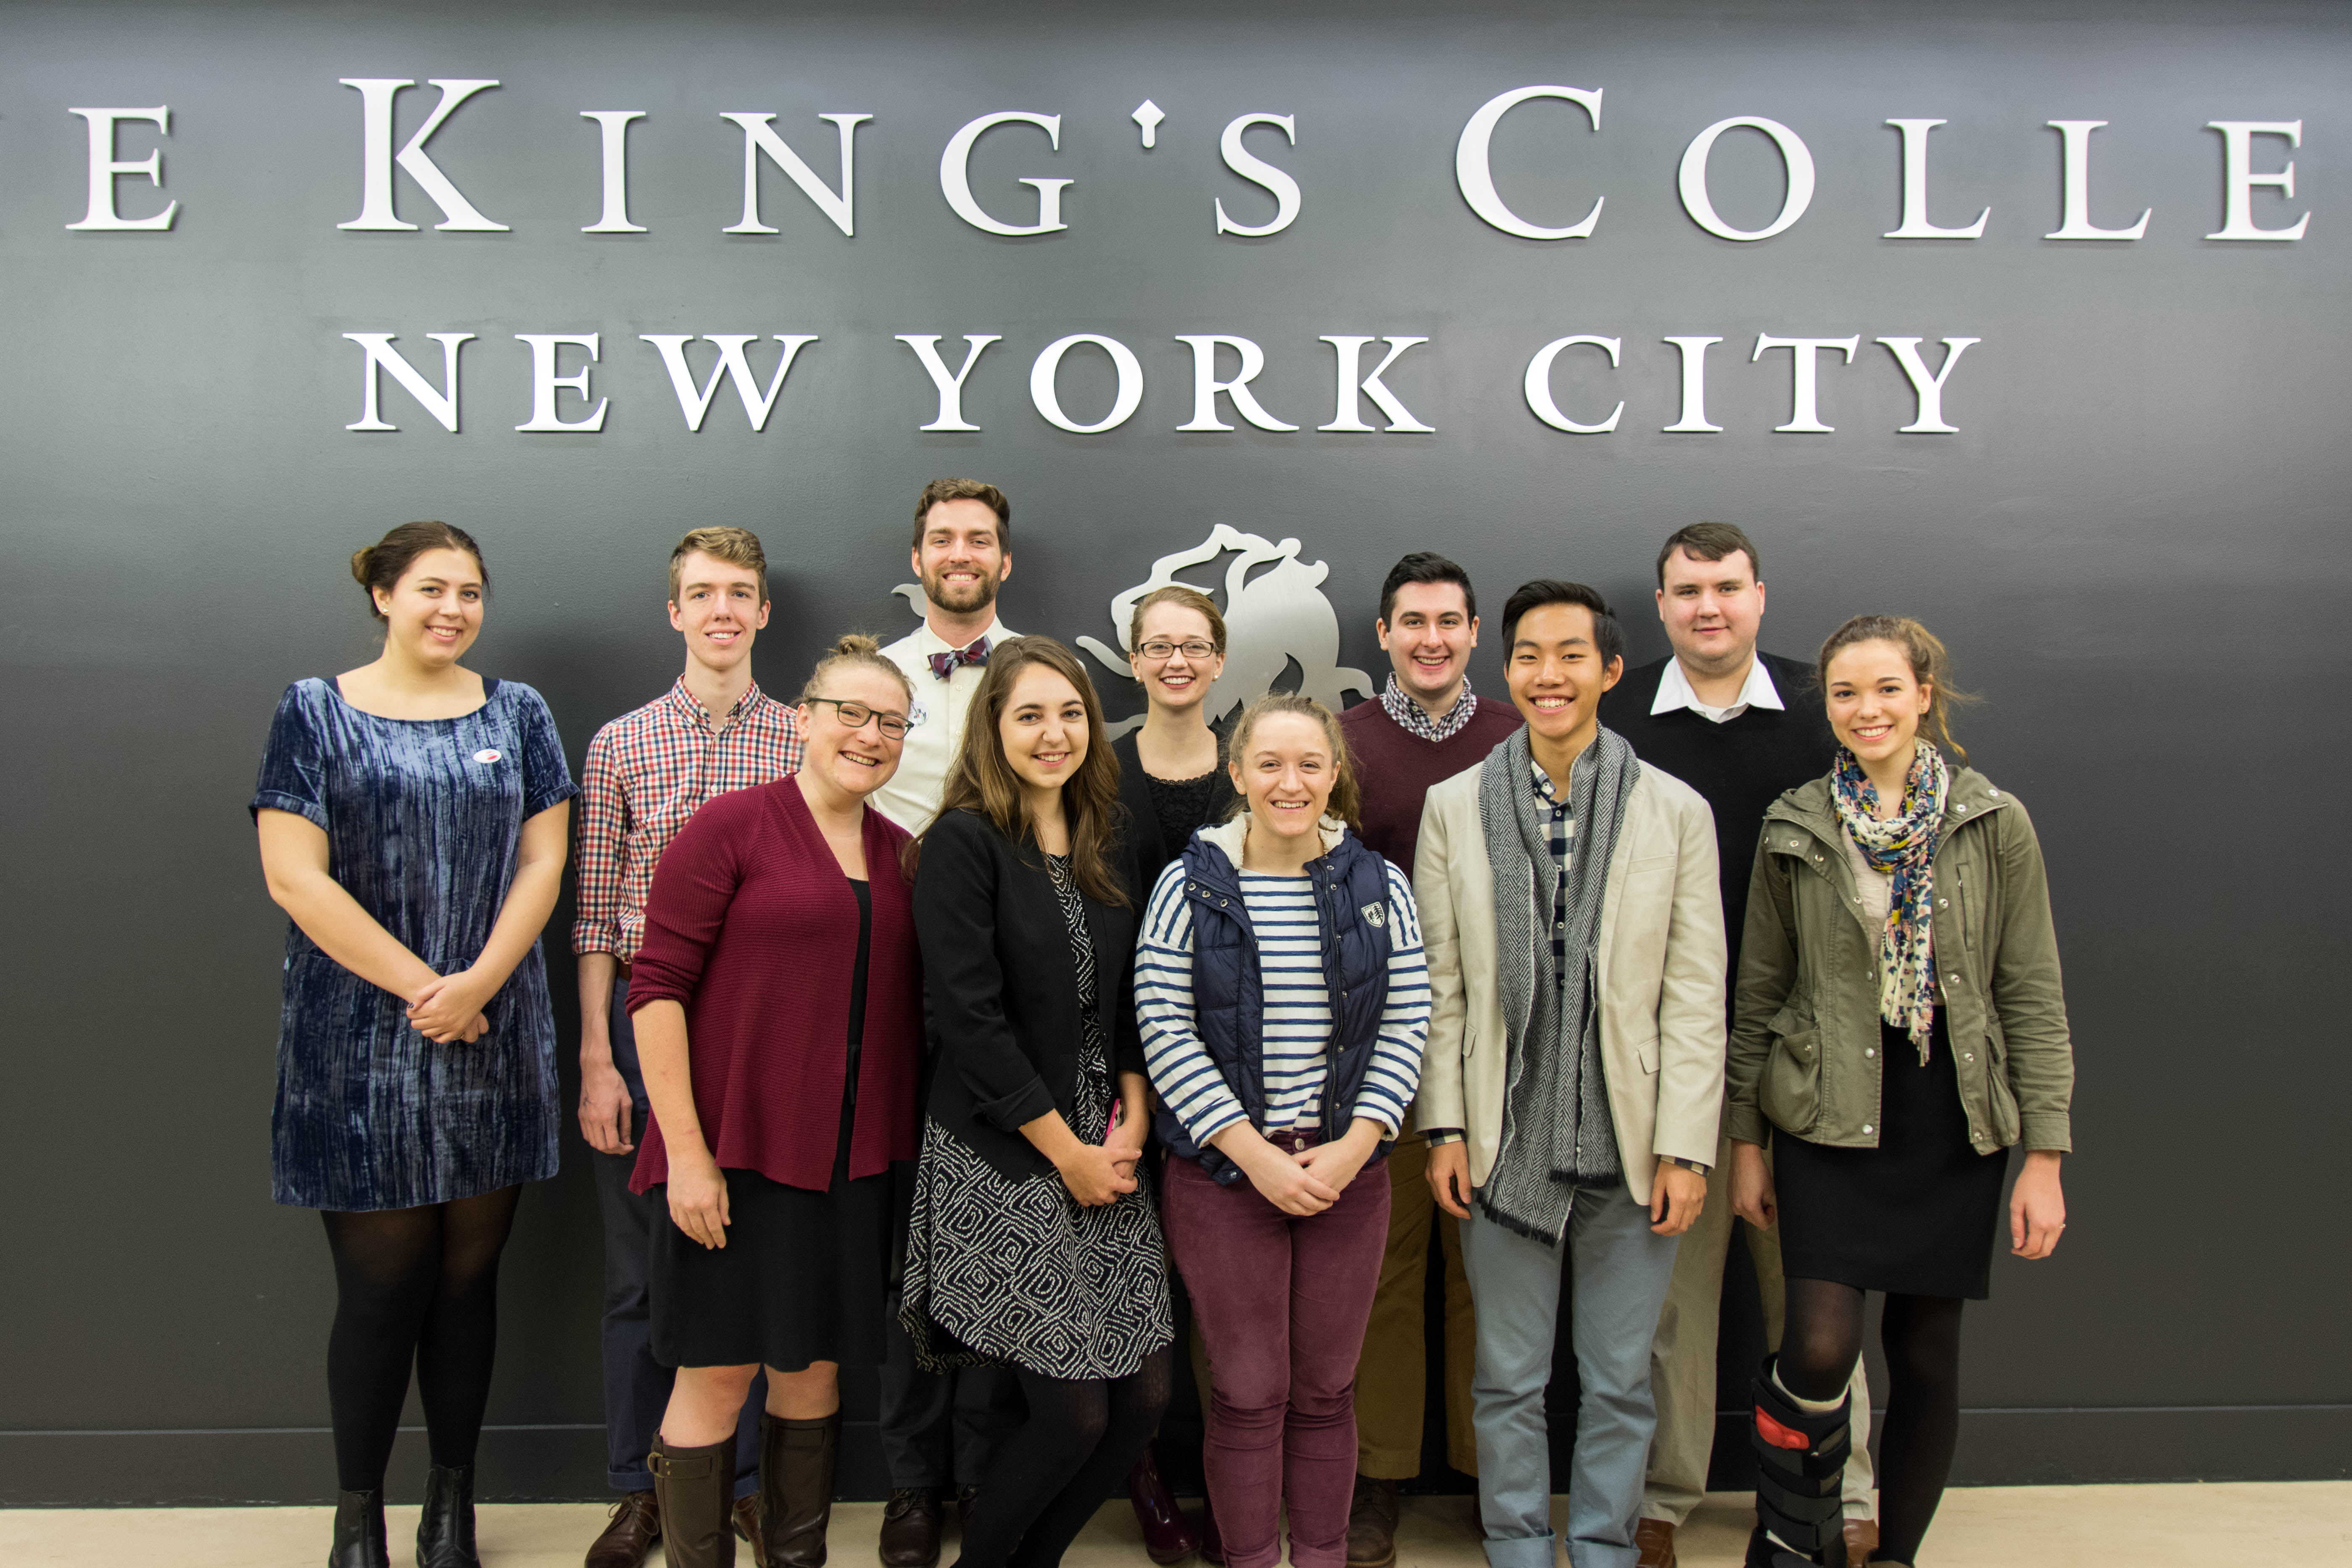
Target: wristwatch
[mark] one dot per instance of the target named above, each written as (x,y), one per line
(1691,1165)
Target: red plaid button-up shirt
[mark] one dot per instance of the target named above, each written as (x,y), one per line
(646,773)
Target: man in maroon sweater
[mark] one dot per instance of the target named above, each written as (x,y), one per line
(1426,727)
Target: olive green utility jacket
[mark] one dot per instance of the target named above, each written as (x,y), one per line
(1804,1055)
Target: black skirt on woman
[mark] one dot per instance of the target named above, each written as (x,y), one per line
(802,1275)
(1915,1216)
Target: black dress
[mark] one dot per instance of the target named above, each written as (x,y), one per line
(1161,813)
(802,1275)
(1917,1216)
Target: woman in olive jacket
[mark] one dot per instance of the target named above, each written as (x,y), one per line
(1900,1023)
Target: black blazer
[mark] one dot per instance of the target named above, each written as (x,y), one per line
(1004,991)
(1151,852)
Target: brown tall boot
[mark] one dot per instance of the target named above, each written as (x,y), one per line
(796,1460)
(695,1491)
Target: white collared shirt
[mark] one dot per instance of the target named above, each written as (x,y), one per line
(911,798)
(1757,692)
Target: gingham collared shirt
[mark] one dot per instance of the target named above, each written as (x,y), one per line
(1414,720)
(646,773)
(1562,833)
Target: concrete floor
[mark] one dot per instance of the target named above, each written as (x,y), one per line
(2279,1525)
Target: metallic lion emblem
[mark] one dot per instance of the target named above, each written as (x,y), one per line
(1272,619)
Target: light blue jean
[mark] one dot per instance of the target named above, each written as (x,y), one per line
(1620,1274)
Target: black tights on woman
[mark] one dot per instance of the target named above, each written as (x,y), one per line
(1051,1473)
(1921,1337)
(413,1285)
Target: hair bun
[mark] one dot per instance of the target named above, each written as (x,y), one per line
(855,643)
(363,563)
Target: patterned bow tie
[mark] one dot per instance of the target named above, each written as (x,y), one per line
(944,664)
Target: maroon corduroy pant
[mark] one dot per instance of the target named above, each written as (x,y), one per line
(1282,1303)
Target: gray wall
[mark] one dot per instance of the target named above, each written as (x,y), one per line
(2134,547)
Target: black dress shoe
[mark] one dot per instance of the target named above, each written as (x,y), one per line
(359,1532)
(444,1533)
(967,1499)
(910,1528)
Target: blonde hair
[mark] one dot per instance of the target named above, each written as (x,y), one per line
(984,782)
(1930,666)
(1185,596)
(854,651)
(1347,802)
(736,546)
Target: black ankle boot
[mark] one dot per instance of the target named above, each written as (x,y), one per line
(444,1535)
(358,1532)
(1800,1469)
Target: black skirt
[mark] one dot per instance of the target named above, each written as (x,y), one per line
(1919,1214)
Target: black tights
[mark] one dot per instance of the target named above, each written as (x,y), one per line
(421,1285)
(1921,1337)
(1053,1472)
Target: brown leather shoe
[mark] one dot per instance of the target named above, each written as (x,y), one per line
(910,1528)
(1655,1539)
(1371,1524)
(635,1526)
(695,1491)
(967,1499)
(746,1519)
(796,1469)
(1167,1534)
(1861,1540)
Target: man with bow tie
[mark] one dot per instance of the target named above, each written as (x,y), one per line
(938,1430)
(962,551)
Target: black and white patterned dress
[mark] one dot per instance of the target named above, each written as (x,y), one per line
(1017,1270)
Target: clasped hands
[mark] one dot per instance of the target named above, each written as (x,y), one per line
(1100,1173)
(447,1008)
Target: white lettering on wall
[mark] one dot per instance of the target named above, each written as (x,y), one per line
(2076,222)
(104,167)
(545,383)
(1804,411)
(1915,225)
(1049,364)
(1538,387)
(950,387)
(759,138)
(1794,155)
(955,178)
(615,123)
(1347,412)
(376,159)
(1694,418)
(1206,386)
(1475,174)
(1930,388)
(381,355)
(695,404)
(1249,166)
(2238,176)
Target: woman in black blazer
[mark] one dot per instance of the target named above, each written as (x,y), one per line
(1172,771)
(1031,1240)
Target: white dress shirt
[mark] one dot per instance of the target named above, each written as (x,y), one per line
(911,798)
(1757,692)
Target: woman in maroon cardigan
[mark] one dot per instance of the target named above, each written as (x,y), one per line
(780,941)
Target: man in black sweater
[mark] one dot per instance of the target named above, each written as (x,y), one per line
(1740,726)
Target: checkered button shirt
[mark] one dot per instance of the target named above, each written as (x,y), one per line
(646,773)
(1562,831)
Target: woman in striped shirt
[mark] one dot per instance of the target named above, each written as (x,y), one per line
(1284,1002)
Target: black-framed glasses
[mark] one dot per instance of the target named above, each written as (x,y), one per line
(1195,648)
(857,715)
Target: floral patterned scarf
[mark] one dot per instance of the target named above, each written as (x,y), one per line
(1903,847)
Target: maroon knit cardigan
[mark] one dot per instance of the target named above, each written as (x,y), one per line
(752,927)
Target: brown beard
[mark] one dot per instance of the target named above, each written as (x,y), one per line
(985,589)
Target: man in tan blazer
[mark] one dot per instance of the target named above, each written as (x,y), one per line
(1574,1074)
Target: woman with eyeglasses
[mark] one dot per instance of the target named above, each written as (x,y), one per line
(1172,770)
(777,1002)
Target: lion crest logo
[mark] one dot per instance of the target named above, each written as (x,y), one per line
(1275,616)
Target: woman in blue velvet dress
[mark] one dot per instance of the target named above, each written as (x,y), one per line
(413,818)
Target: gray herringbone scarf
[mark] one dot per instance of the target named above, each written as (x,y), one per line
(1557,1134)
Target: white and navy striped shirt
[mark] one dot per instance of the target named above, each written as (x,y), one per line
(1298,1021)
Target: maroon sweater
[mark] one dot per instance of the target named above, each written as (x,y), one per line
(1395,768)
(752,927)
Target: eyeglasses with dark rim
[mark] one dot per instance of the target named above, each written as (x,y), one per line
(1196,649)
(857,716)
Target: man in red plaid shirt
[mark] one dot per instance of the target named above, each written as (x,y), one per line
(646,773)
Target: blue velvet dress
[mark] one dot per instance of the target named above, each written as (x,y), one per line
(424,822)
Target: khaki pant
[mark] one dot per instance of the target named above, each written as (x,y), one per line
(1391,1379)
(1682,1358)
